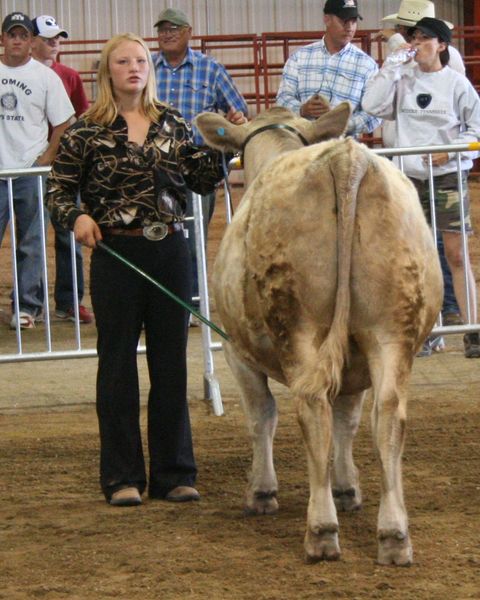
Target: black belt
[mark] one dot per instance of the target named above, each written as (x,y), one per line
(154,232)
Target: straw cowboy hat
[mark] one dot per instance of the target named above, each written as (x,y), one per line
(411,11)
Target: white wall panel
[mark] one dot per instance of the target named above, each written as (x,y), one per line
(101,18)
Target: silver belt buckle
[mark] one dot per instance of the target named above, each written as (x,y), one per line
(156,231)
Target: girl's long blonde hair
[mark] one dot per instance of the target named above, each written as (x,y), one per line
(105,109)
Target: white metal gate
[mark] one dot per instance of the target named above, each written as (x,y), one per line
(211,384)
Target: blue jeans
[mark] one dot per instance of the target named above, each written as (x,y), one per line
(449,301)
(63,293)
(28,233)
(208,206)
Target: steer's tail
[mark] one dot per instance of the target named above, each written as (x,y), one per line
(348,163)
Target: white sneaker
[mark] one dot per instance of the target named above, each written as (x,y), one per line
(437,344)
(431,345)
(27,321)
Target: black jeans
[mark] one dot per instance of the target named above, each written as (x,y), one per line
(123,301)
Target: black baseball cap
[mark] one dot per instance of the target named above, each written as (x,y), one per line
(344,9)
(16,19)
(433,28)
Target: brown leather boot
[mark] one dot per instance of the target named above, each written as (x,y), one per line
(183,493)
(127,496)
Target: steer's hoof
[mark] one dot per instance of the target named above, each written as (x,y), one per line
(347,500)
(322,545)
(262,503)
(394,548)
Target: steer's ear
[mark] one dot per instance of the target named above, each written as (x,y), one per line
(330,125)
(220,133)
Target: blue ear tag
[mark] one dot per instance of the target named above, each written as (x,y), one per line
(221,131)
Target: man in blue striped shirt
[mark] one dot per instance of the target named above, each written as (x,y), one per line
(193,82)
(332,69)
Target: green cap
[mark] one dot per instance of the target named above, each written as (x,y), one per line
(173,15)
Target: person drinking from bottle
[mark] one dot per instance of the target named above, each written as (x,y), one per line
(132,159)
(434,105)
(395,34)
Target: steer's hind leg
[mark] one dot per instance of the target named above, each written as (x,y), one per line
(321,537)
(390,370)
(347,411)
(261,412)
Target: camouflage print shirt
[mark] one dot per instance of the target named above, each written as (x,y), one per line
(122,184)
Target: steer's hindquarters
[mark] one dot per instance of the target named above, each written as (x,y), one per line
(336,248)
(335,281)
(342,263)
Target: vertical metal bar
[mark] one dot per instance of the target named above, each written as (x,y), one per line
(433,218)
(226,187)
(431,191)
(13,240)
(466,257)
(212,389)
(264,66)
(43,243)
(76,308)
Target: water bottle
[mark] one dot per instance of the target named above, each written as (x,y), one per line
(400,56)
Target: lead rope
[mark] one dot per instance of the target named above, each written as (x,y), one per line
(165,290)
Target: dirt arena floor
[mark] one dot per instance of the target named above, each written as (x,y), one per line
(60,540)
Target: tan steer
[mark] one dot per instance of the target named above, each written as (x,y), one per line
(328,281)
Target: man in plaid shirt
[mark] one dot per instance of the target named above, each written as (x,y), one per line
(193,82)
(333,70)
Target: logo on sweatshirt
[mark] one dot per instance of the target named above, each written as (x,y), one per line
(423,100)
